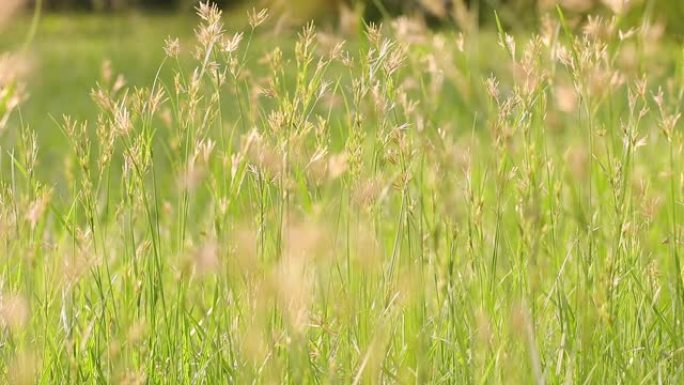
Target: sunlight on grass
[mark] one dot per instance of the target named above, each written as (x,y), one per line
(406,206)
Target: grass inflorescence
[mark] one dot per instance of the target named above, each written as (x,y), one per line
(409,206)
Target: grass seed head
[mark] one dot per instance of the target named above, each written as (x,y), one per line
(8,8)
(14,311)
(619,7)
(577,6)
(23,368)
(36,209)
(172,47)
(257,18)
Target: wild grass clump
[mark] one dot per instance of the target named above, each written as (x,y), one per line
(407,207)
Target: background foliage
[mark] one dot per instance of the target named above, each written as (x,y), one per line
(517,13)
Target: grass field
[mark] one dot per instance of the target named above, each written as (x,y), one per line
(417,206)
(67,57)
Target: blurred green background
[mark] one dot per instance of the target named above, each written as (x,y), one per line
(515,11)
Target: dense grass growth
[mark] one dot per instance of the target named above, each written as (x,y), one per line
(408,207)
(66,60)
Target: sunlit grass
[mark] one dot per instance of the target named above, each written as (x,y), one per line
(409,206)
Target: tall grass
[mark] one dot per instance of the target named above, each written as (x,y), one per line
(408,207)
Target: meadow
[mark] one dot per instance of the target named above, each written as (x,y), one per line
(221,199)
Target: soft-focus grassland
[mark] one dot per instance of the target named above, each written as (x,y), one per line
(67,57)
(408,206)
